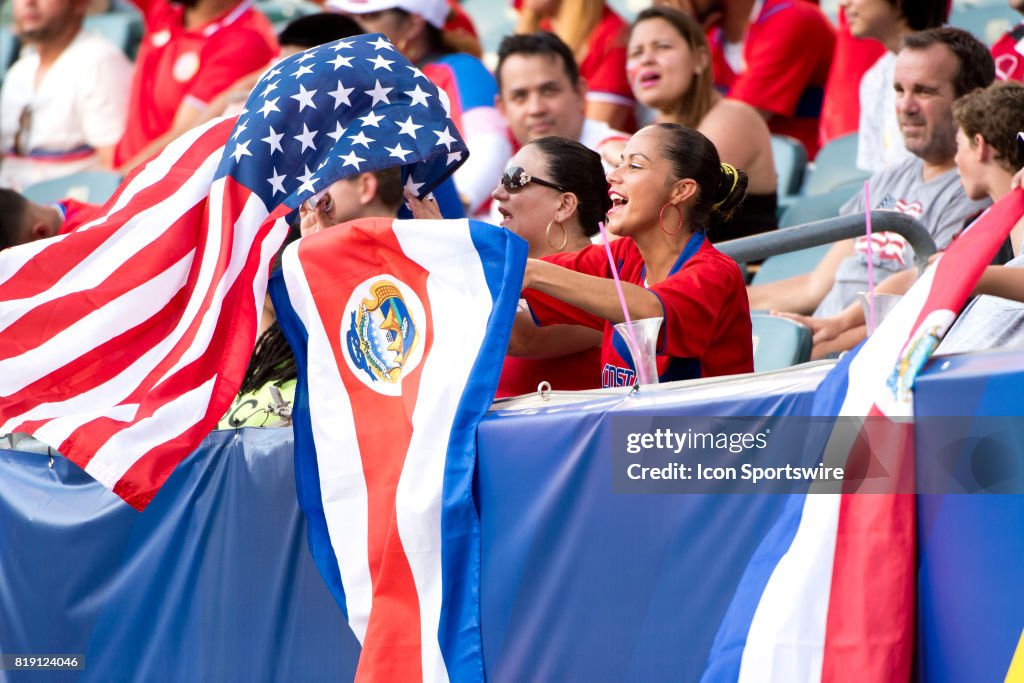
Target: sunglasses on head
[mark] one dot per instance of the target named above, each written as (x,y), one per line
(515,179)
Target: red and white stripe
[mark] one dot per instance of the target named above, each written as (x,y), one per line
(840,604)
(124,341)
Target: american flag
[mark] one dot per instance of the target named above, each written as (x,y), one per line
(124,341)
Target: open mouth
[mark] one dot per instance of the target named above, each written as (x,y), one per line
(618,201)
(646,79)
(505,216)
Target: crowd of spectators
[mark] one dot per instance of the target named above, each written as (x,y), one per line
(576,78)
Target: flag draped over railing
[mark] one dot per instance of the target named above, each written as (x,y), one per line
(123,342)
(399,329)
(829,595)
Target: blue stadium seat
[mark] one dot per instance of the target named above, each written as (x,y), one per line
(790,163)
(816,207)
(87,186)
(123,29)
(835,165)
(779,342)
(791,263)
(804,209)
(988,21)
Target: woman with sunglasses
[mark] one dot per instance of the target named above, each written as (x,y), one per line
(667,188)
(669,69)
(553,194)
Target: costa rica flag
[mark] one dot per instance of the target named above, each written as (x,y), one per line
(399,329)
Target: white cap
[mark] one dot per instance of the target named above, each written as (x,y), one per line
(433,11)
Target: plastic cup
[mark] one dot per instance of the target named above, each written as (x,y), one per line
(884,304)
(645,351)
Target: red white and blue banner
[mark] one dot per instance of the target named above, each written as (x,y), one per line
(399,329)
(124,341)
(829,595)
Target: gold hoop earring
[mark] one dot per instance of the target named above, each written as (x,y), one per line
(661,219)
(547,235)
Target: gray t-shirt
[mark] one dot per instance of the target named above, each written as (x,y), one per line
(988,322)
(939,204)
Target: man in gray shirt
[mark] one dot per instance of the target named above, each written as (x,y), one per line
(933,68)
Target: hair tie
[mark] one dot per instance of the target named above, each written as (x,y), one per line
(729,170)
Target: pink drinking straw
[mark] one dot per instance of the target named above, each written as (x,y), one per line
(871,277)
(622,300)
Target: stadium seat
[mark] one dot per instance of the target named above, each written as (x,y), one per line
(790,162)
(988,21)
(804,209)
(816,207)
(835,165)
(87,186)
(123,29)
(791,263)
(779,342)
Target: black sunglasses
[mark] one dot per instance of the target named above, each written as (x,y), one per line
(515,179)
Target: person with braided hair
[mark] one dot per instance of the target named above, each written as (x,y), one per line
(666,190)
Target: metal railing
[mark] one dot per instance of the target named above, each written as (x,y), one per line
(759,247)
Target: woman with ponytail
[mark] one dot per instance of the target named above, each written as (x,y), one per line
(668,187)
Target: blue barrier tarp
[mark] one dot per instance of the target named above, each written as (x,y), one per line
(214,581)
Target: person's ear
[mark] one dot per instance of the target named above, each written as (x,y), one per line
(683,190)
(982,149)
(567,206)
(581,90)
(40,229)
(703,61)
(499,104)
(366,185)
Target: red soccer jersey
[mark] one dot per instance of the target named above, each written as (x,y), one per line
(788,51)
(176,65)
(706,330)
(604,65)
(1009,54)
(568,373)
(840,112)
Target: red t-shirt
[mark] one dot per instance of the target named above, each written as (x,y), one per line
(175,65)
(1009,54)
(788,51)
(604,64)
(840,112)
(706,330)
(569,373)
(76,214)
(459,20)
